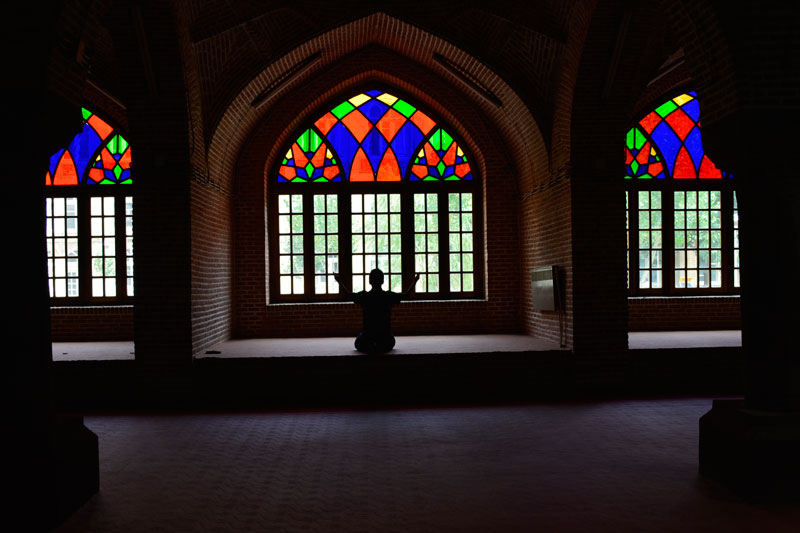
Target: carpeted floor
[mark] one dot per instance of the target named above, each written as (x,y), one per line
(608,466)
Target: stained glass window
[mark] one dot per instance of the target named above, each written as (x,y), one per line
(90,229)
(383,177)
(677,242)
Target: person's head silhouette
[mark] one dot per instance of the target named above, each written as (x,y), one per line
(376,278)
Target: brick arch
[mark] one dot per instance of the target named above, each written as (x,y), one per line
(513,119)
(491,157)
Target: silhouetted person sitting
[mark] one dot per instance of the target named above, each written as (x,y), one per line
(376,335)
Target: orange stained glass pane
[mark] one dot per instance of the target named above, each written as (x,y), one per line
(300,158)
(326,122)
(358,124)
(449,157)
(108,160)
(330,172)
(287,172)
(462,169)
(48,179)
(125,160)
(66,174)
(644,154)
(628,156)
(431,157)
(655,169)
(389,170)
(96,175)
(390,123)
(681,123)
(421,170)
(423,122)
(650,121)
(361,169)
(318,159)
(100,126)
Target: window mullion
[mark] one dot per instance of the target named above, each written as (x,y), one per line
(668,205)
(444,245)
(308,243)
(119,248)
(345,238)
(85,247)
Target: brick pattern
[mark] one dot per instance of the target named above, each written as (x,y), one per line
(87,324)
(684,313)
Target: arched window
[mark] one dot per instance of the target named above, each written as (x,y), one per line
(682,213)
(89,217)
(374,182)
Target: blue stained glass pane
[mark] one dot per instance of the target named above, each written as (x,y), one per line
(126,173)
(373,110)
(694,144)
(83,147)
(449,171)
(405,145)
(343,143)
(54,159)
(374,93)
(692,109)
(668,143)
(692,93)
(374,146)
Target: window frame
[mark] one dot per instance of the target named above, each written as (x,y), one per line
(344,189)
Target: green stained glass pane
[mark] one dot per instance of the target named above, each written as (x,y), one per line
(691,200)
(333,244)
(702,199)
(644,239)
(702,220)
(455,282)
(419,223)
(716,219)
(640,139)
(297,203)
(358,244)
(466,201)
(396,262)
(395,242)
(394,223)
(452,201)
(655,199)
(333,223)
(432,202)
(433,222)
(644,220)
(440,168)
(356,223)
(655,219)
(455,262)
(680,220)
(455,242)
(644,259)
(297,224)
(297,264)
(716,239)
(123,145)
(369,223)
(716,259)
(285,244)
(319,223)
(436,139)
(286,264)
(419,262)
(702,238)
(680,200)
(117,171)
(433,282)
(447,140)
(313,140)
(284,226)
(382,223)
(319,203)
(309,168)
(691,239)
(394,203)
(644,200)
(691,220)
(419,242)
(369,244)
(455,224)
(86,113)
(635,166)
(433,242)
(342,109)
(466,242)
(319,264)
(319,244)
(665,109)
(433,262)
(383,203)
(419,202)
(383,244)
(467,263)
(629,139)
(466,222)
(297,244)
(655,237)
(404,108)
(333,203)
(680,239)
(703,259)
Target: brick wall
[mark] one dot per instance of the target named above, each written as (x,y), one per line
(87,323)
(684,313)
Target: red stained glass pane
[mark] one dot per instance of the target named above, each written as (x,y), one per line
(684,166)
(644,154)
(65,172)
(462,170)
(48,179)
(389,170)
(650,122)
(108,160)
(709,170)
(358,124)
(390,124)
(326,122)
(318,159)
(628,156)
(423,122)
(330,172)
(361,169)
(655,169)
(125,160)
(681,123)
(287,172)
(96,175)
